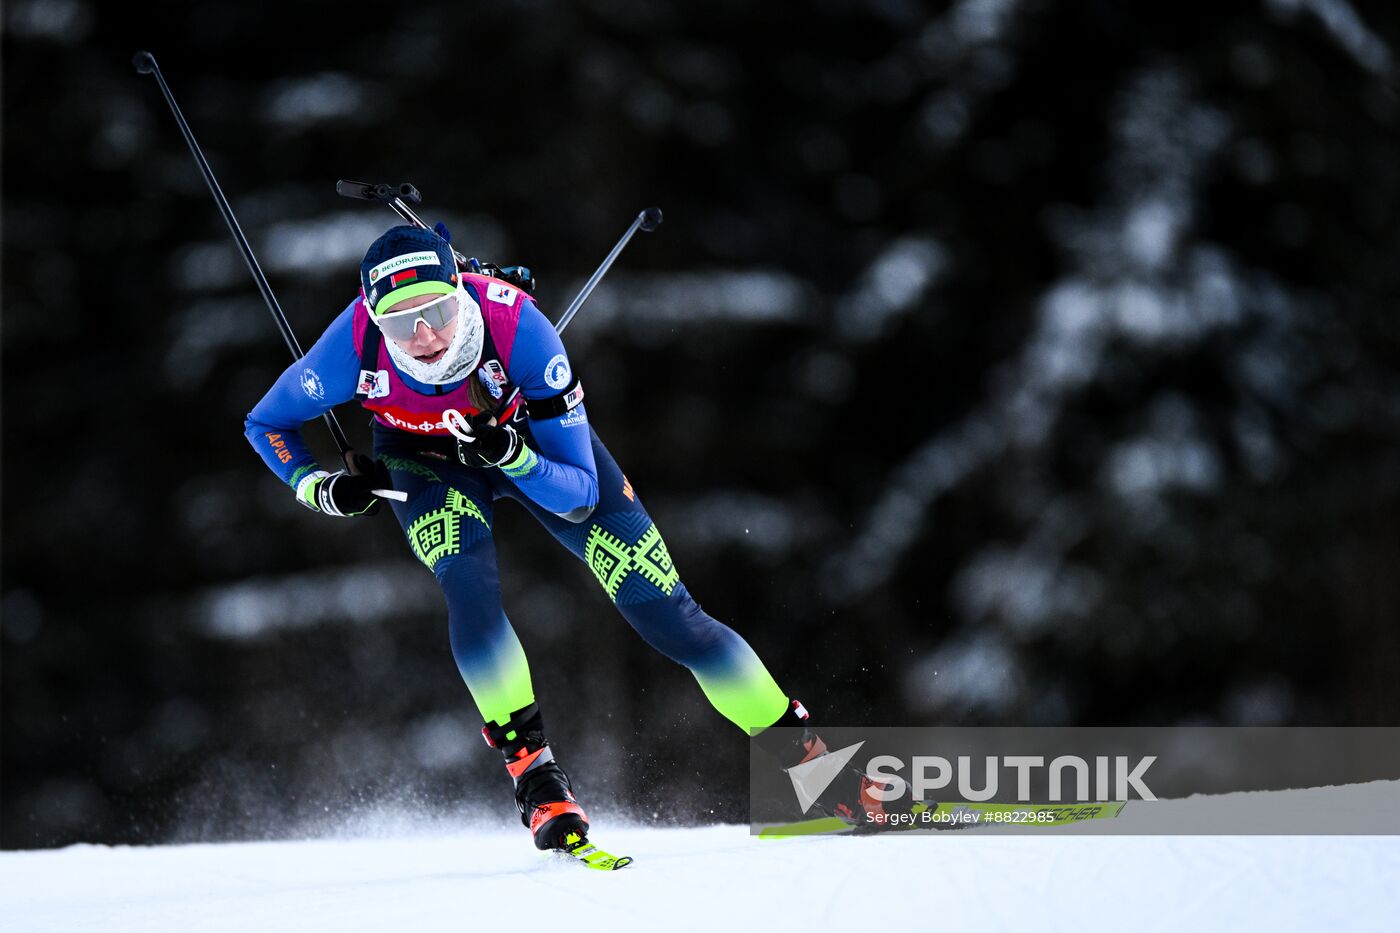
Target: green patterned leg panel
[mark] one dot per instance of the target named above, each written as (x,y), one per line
(439,532)
(631,566)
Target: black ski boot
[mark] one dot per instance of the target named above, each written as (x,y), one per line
(542,791)
(848,797)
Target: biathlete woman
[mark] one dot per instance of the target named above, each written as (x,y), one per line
(432,350)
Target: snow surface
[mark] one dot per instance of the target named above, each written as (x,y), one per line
(716,878)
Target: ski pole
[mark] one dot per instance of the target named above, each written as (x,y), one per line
(648,220)
(145,63)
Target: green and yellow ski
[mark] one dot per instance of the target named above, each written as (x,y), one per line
(580,850)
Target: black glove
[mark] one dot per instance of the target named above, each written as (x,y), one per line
(344,494)
(491,444)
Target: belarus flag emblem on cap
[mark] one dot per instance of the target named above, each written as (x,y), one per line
(407,275)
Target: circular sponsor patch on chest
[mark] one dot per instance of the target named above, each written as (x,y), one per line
(557,372)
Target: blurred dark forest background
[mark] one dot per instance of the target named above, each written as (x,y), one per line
(999,361)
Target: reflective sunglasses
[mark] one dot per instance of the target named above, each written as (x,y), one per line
(437,314)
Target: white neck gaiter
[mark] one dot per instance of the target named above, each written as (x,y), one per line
(463,353)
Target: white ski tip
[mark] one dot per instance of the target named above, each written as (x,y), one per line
(391,494)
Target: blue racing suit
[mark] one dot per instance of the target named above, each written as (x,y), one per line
(448,517)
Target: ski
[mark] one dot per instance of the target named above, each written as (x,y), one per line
(823,826)
(579,849)
(944,816)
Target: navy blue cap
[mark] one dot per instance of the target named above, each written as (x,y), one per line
(404,262)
